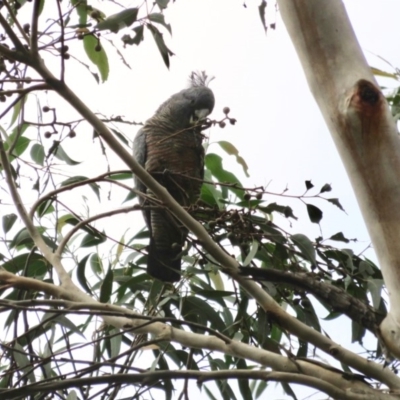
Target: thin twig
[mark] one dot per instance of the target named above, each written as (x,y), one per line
(201,376)
(55,192)
(24,92)
(62,50)
(34,28)
(33,232)
(79,225)
(14,18)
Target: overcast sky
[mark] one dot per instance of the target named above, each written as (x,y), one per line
(280,131)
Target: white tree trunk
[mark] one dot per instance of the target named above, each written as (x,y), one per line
(362,127)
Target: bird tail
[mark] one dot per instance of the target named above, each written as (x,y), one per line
(164,264)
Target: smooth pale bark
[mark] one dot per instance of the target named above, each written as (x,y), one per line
(362,127)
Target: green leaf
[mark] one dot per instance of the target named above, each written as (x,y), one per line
(62,155)
(261,12)
(72,395)
(197,310)
(22,238)
(326,188)
(8,222)
(213,163)
(90,239)
(314,213)
(121,137)
(81,274)
(67,323)
(244,383)
(336,203)
(77,179)
(379,72)
(81,9)
(375,288)
(209,193)
(46,207)
(232,150)
(17,110)
(209,393)
(252,253)
(21,144)
(96,264)
(37,153)
(365,268)
(106,286)
(162,47)
(98,58)
(23,363)
(285,210)
(339,237)
(159,19)
(122,176)
(303,349)
(34,263)
(115,342)
(332,315)
(139,35)
(304,244)
(309,185)
(118,21)
(357,332)
(261,388)
(162,4)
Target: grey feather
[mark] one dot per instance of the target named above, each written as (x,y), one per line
(169,147)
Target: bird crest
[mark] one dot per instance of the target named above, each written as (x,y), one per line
(199,78)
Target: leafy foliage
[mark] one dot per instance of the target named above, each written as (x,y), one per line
(54,341)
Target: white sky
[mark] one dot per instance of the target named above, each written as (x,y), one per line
(280,131)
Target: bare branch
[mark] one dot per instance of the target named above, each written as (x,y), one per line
(155,376)
(14,18)
(87,221)
(23,93)
(339,299)
(71,186)
(34,27)
(229,264)
(361,124)
(33,232)
(131,322)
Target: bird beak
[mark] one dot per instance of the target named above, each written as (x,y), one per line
(199,115)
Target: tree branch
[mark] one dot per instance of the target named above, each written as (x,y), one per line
(23,93)
(74,185)
(14,18)
(33,232)
(34,27)
(132,323)
(147,378)
(338,298)
(229,264)
(79,225)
